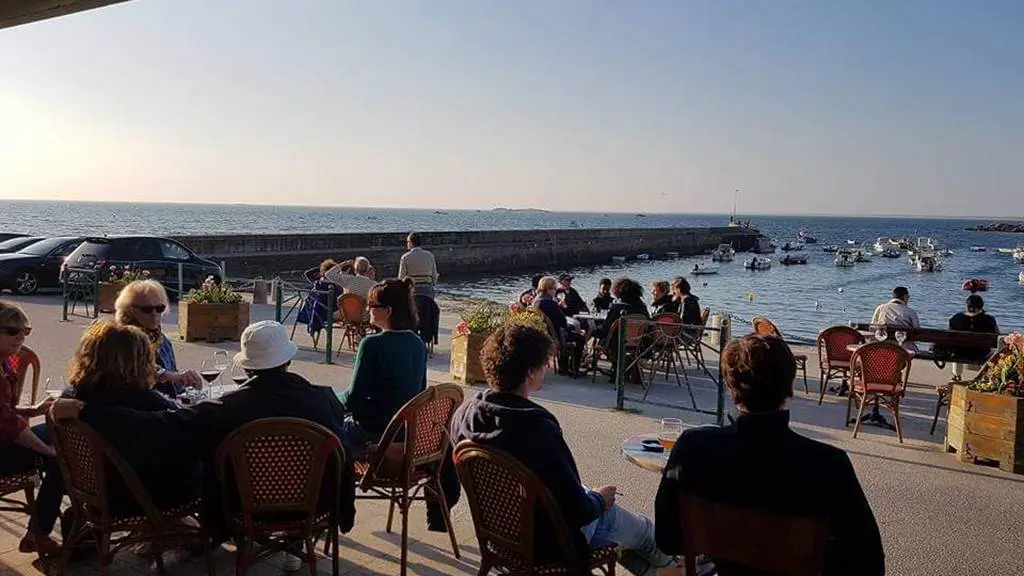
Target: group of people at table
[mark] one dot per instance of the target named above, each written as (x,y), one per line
(561,303)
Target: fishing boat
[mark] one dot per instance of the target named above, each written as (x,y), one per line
(1005,250)
(978,248)
(861,256)
(845,258)
(703,268)
(792,247)
(724,253)
(643,256)
(804,237)
(928,263)
(618,259)
(890,253)
(973,285)
(756,263)
(791,259)
(883,242)
(830,249)
(764,246)
(851,242)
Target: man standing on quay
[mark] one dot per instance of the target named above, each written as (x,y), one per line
(419,265)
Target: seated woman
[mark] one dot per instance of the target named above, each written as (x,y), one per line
(313,275)
(546,302)
(142,303)
(717,464)
(628,300)
(20,444)
(688,305)
(663,302)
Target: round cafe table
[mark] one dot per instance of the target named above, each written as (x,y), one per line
(634,453)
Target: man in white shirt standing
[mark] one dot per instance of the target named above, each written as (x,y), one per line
(419,265)
(360,283)
(896,312)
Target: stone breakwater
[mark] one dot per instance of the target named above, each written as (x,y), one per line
(1009,227)
(461,253)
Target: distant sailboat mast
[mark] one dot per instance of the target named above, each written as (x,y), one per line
(732,219)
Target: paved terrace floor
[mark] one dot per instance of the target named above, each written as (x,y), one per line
(937,516)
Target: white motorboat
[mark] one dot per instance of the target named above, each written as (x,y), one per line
(703,268)
(764,246)
(861,256)
(792,247)
(791,259)
(978,249)
(891,252)
(830,249)
(883,242)
(756,263)
(928,263)
(845,259)
(1018,255)
(803,236)
(724,253)
(851,242)
(643,256)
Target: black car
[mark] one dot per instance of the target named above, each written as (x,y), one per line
(15,244)
(37,265)
(8,235)
(159,256)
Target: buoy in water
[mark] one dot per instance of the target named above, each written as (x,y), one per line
(840,290)
(751,296)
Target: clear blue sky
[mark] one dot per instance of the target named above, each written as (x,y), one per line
(818,106)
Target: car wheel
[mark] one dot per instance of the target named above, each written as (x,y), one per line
(25,283)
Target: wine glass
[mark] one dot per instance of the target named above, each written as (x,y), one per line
(238,375)
(220,360)
(671,428)
(901,336)
(881,333)
(54,388)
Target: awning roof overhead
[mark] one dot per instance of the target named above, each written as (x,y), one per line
(15,12)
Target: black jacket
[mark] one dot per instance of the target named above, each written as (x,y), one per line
(665,304)
(554,312)
(574,303)
(531,435)
(619,309)
(981,322)
(758,462)
(690,310)
(602,302)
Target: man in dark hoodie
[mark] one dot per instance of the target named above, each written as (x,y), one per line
(515,360)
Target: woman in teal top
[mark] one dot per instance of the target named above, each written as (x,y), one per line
(391,367)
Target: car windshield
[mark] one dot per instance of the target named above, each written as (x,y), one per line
(17,243)
(43,247)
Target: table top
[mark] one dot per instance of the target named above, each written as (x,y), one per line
(634,453)
(591,316)
(854,347)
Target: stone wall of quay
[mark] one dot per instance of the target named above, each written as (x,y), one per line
(460,253)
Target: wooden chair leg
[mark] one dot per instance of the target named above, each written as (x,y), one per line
(896,419)
(311,555)
(821,389)
(849,406)
(938,407)
(336,552)
(391,510)
(103,546)
(244,557)
(439,495)
(860,412)
(404,510)
(803,366)
(74,535)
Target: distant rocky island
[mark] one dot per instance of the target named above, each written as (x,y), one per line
(520,210)
(1010,227)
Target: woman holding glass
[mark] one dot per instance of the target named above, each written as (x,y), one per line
(142,303)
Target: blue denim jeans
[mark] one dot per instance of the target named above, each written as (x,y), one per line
(631,532)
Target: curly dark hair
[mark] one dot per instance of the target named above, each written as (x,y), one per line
(511,353)
(759,372)
(627,290)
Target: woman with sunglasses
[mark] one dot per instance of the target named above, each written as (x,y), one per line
(20,444)
(142,303)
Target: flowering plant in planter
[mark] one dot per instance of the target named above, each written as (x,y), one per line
(212,292)
(485,317)
(1004,374)
(126,275)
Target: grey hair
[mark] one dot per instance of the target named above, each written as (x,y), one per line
(361,265)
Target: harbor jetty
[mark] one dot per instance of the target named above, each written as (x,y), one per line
(1008,227)
(462,252)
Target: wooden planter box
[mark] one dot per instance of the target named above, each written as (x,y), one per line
(106,295)
(212,322)
(466,358)
(986,425)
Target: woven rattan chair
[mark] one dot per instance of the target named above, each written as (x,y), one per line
(23,482)
(668,339)
(352,319)
(765,327)
(507,502)
(692,342)
(275,469)
(88,463)
(879,372)
(404,469)
(834,355)
(760,541)
(636,329)
(564,359)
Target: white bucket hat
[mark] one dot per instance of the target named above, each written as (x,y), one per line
(265,345)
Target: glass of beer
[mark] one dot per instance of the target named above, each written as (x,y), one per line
(671,428)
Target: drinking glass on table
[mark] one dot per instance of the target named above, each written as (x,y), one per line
(54,388)
(238,375)
(221,361)
(671,428)
(881,333)
(901,336)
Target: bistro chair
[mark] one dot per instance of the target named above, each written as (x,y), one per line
(90,465)
(834,355)
(668,337)
(636,330)
(280,478)
(879,371)
(765,327)
(565,358)
(507,502)
(24,481)
(351,317)
(692,342)
(405,466)
(757,540)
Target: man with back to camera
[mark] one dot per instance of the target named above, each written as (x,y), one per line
(418,264)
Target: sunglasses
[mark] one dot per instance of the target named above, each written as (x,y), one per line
(15,330)
(159,309)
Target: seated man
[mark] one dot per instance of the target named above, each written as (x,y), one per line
(359,283)
(758,462)
(603,300)
(973,320)
(515,360)
(570,299)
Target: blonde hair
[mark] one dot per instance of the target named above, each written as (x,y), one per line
(126,298)
(111,358)
(547,284)
(661,285)
(11,315)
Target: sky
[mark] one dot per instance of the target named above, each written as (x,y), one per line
(806,106)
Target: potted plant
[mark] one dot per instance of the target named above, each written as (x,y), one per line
(212,312)
(986,415)
(119,278)
(478,319)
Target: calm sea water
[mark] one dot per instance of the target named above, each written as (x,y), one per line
(800,299)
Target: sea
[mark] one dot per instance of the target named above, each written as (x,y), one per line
(801,300)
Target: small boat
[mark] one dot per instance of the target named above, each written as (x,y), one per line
(845,259)
(792,247)
(927,263)
(830,249)
(724,253)
(791,259)
(703,268)
(861,256)
(671,254)
(764,246)
(1018,255)
(806,238)
(851,242)
(641,215)
(978,248)
(618,259)
(1005,250)
(975,285)
(643,256)
(890,252)
(756,263)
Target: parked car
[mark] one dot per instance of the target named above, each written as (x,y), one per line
(37,265)
(4,236)
(159,256)
(15,244)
